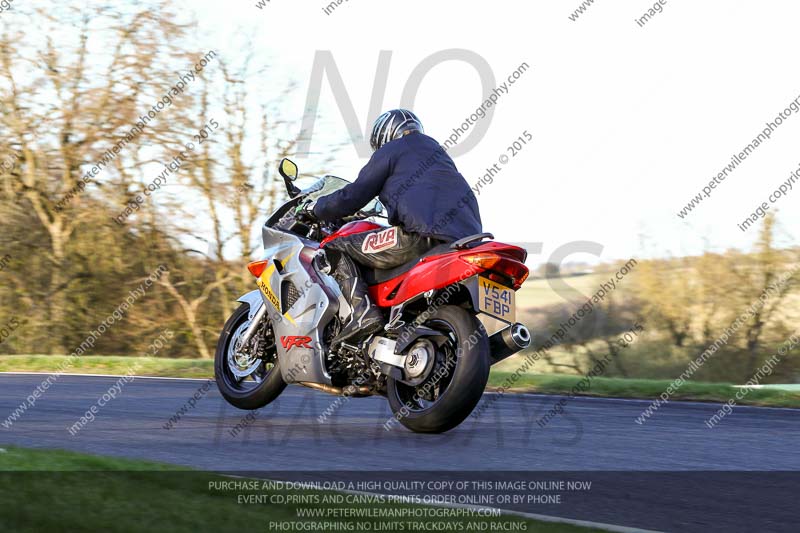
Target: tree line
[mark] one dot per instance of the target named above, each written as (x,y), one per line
(110,110)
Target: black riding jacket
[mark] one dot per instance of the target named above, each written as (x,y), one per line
(420,186)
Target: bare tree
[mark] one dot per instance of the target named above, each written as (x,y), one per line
(64,105)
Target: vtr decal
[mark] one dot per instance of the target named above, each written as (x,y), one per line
(291,342)
(382,240)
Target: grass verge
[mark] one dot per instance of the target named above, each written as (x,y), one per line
(646,389)
(533,383)
(110,364)
(51,490)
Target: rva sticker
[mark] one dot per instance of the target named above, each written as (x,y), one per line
(378,242)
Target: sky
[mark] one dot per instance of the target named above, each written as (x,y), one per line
(627,122)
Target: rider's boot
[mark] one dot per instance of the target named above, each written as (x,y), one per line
(365,319)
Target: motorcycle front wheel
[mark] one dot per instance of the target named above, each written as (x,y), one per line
(456,380)
(247,378)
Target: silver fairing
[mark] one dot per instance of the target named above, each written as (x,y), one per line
(298,324)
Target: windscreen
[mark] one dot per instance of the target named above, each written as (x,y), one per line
(328,184)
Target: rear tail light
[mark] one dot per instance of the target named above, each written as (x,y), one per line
(257,268)
(509,267)
(518,273)
(484,260)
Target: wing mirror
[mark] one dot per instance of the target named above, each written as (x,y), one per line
(288,169)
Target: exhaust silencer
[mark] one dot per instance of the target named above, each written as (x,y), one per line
(509,341)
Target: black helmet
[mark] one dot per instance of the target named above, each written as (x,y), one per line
(393,125)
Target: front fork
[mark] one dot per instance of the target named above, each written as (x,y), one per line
(251,329)
(257,311)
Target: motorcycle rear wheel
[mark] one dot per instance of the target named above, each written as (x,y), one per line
(261,385)
(457,380)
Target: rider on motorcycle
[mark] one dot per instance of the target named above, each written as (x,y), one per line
(428,203)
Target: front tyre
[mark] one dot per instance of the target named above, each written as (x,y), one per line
(247,377)
(456,381)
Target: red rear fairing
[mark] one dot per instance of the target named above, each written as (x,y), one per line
(502,262)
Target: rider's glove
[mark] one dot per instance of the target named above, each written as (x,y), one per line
(305,209)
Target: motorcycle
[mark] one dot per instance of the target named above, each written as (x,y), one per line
(432,359)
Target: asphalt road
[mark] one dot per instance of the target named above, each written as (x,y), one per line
(671,473)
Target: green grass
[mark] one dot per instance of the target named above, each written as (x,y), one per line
(646,389)
(50,490)
(534,383)
(114,365)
